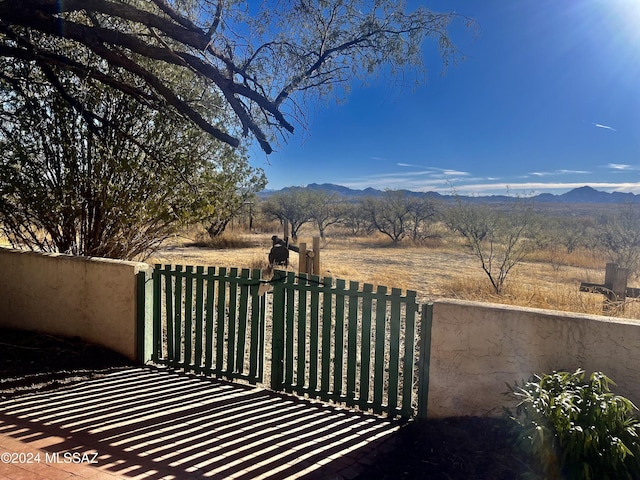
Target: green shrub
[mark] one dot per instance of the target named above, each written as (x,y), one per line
(576,429)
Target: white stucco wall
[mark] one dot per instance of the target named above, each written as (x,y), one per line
(477,348)
(92,298)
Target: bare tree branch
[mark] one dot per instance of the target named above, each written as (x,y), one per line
(256,62)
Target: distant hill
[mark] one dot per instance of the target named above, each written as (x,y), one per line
(584,194)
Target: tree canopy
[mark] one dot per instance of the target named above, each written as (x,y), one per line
(260,58)
(117,191)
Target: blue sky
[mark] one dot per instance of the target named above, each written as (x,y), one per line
(548,99)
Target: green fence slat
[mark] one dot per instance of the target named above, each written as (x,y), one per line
(177,324)
(231,322)
(209,320)
(339,339)
(243,312)
(409,354)
(289,332)
(255,345)
(380,324)
(352,339)
(314,337)
(157,314)
(188,316)
(277,340)
(301,351)
(426,323)
(394,350)
(199,328)
(220,320)
(365,345)
(169,313)
(327,320)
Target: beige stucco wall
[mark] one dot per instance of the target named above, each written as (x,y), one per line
(92,298)
(477,348)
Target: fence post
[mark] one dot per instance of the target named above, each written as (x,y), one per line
(316,256)
(145,304)
(277,337)
(423,360)
(302,258)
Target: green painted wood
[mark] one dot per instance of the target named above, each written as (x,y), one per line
(277,337)
(411,310)
(243,317)
(380,361)
(327,328)
(365,345)
(314,337)
(199,317)
(301,351)
(177,322)
(339,339)
(426,322)
(209,319)
(169,281)
(157,314)
(188,317)
(231,323)
(394,350)
(256,345)
(261,338)
(289,332)
(352,340)
(322,333)
(221,308)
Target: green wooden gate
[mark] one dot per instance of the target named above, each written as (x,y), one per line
(209,321)
(351,345)
(310,336)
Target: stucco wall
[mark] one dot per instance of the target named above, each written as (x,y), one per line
(477,348)
(92,298)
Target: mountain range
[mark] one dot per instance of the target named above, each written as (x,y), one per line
(584,194)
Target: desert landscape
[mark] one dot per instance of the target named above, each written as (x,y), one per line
(436,268)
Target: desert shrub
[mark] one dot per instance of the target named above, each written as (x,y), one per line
(227,240)
(576,429)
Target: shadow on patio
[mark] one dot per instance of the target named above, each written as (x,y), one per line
(154,424)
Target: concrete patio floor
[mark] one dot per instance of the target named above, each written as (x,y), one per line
(150,423)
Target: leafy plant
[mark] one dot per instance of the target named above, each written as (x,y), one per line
(576,429)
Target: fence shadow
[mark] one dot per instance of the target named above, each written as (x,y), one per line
(156,423)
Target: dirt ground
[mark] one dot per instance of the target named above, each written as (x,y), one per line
(434,271)
(454,448)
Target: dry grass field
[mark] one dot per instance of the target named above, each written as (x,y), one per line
(439,268)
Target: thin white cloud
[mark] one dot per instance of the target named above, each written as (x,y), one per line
(408,165)
(560,172)
(454,172)
(606,127)
(620,166)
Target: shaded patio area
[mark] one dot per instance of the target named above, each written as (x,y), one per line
(151,423)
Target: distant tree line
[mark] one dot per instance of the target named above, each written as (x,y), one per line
(499,235)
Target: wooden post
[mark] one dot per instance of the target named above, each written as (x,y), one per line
(302,258)
(316,255)
(614,288)
(424,360)
(309,261)
(285,227)
(616,281)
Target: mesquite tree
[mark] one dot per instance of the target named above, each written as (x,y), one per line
(260,58)
(497,235)
(68,185)
(396,213)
